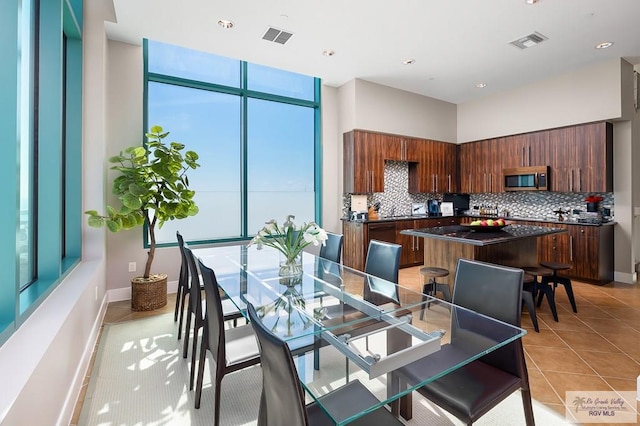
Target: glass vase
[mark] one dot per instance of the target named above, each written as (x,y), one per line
(291,266)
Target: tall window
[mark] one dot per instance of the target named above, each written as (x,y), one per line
(26,51)
(40,223)
(255,129)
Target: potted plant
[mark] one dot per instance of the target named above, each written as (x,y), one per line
(593,202)
(153,188)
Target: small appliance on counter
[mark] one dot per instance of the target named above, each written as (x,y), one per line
(460,202)
(418,209)
(433,208)
(446,208)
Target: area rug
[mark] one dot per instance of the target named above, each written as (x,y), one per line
(140,378)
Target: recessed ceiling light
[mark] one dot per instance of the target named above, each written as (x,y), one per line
(409,61)
(481,85)
(604,45)
(225,23)
(531,1)
(328,52)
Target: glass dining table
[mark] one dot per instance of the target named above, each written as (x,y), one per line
(344,325)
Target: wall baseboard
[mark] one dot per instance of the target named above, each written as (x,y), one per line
(120,294)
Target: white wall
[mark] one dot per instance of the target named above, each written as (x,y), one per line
(586,95)
(389,110)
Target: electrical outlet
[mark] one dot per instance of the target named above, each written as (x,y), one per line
(132,266)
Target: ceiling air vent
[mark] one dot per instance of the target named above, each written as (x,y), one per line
(277,36)
(529,41)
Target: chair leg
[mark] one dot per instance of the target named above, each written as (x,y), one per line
(182,304)
(425,290)
(194,349)
(201,361)
(566,282)
(528,407)
(446,292)
(546,290)
(187,332)
(527,297)
(178,294)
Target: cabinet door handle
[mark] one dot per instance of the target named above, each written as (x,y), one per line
(522,162)
(529,156)
(436,176)
(372,175)
(470,184)
(449,183)
(571,248)
(580,180)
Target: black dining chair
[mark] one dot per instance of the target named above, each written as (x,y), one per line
(196,312)
(383,261)
(232,349)
(283,403)
(183,285)
(231,312)
(332,248)
(472,390)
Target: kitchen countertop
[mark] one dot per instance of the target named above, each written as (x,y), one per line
(464,235)
(531,219)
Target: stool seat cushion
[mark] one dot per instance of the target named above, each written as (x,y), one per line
(538,271)
(557,266)
(431,271)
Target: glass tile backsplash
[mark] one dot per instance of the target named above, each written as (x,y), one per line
(396,199)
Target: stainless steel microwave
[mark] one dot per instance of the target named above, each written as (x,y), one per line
(534,178)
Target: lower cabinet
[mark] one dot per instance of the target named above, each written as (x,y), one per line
(358,234)
(588,248)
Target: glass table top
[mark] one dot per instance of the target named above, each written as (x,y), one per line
(344,325)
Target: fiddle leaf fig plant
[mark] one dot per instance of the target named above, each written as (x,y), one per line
(152,187)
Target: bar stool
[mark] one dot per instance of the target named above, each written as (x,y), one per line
(556,279)
(432,286)
(528,296)
(543,286)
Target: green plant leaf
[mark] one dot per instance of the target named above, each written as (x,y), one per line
(136,189)
(113,225)
(131,201)
(96,221)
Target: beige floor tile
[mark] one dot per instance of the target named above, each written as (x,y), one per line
(611,364)
(545,337)
(558,359)
(566,321)
(586,340)
(541,390)
(563,382)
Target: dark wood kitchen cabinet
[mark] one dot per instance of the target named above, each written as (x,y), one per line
(358,234)
(481,166)
(588,248)
(363,160)
(401,148)
(581,158)
(436,171)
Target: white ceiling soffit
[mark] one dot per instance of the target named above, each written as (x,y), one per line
(455,43)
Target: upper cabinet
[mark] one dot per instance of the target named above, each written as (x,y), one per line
(580,159)
(363,162)
(432,164)
(481,165)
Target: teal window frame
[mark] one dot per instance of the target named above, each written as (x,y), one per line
(58,203)
(245,94)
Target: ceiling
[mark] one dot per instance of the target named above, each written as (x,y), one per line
(456,44)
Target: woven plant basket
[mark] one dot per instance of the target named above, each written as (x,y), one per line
(148,294)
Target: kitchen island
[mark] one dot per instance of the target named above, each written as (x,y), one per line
(513,245)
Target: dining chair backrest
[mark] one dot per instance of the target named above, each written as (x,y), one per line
(183,278)
(195,297)
(332,248)
(383,261)
(282,401)
(214,318)
(494,291)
